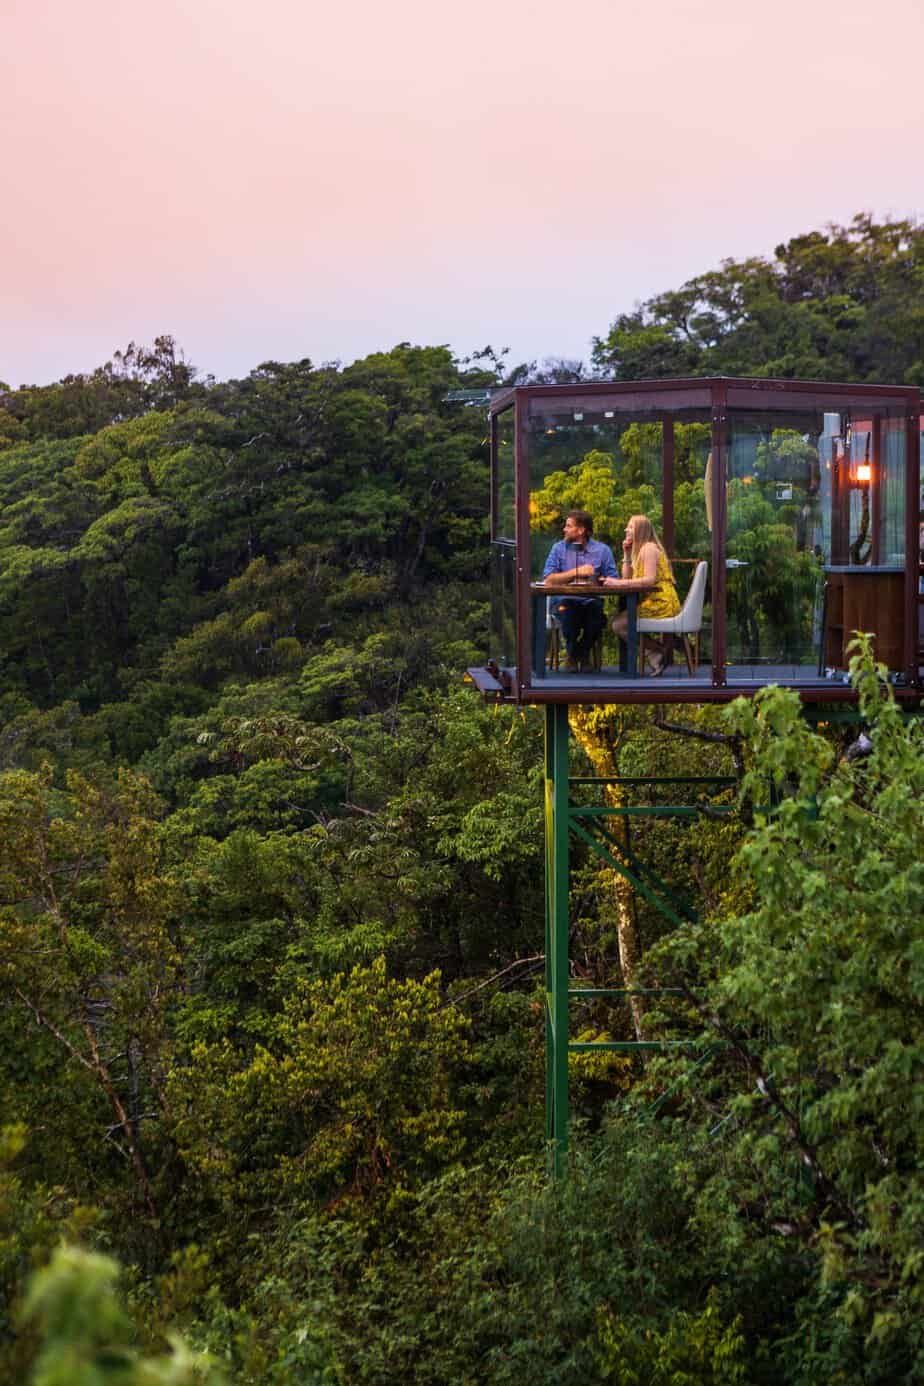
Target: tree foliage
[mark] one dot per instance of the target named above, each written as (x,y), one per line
(846,303)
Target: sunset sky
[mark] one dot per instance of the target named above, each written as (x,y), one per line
(291,179)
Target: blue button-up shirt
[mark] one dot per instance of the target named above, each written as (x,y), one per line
(564,557)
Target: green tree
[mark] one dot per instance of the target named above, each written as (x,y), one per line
(355,1088)
(86,1335)
(814,995)
(843,304)
(87,964)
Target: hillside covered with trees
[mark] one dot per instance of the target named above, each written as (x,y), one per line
(271,908)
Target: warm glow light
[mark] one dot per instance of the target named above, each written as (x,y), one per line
(864,472)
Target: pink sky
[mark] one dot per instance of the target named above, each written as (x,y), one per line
(290,179)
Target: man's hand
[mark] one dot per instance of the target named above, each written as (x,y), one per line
(569,576)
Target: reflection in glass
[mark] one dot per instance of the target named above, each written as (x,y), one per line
(776,538)
(504,474)
(692,519)
(503,566)
(809,491)
(891,537)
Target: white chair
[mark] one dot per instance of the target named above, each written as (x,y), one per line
(687,623)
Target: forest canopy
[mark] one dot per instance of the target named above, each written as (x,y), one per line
(271,905)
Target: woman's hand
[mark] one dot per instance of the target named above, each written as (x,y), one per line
(612,582)
(627,546)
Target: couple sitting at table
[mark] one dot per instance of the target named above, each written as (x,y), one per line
(579,558)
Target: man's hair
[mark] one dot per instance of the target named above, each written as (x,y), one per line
(582,518)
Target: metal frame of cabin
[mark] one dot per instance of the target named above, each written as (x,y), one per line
(661,401)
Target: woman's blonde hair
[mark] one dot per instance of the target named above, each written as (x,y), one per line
(644,532)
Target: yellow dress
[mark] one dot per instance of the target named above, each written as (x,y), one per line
(662,600)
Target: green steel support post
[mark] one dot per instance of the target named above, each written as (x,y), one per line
(556,940)
(588,824)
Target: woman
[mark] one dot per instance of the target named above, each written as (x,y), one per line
(646,569)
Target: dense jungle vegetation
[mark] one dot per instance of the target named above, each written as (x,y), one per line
(271,909)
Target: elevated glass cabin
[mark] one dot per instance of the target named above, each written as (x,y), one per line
(801,499)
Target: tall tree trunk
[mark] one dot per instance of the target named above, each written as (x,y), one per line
(96,1065)
(124,1121)
(597,733)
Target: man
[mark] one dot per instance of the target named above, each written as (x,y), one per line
(578,558)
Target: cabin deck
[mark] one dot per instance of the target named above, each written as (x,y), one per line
(608,685)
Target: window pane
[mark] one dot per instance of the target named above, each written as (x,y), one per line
(892,522)
(584,460)
(816,500)
(504,486)
(611,464)
(503,566)
(776,539)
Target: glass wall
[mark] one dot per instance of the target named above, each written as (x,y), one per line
(503,477)
(871,453)
(890,536)
(608,466)
(503,557)
(776,543)
(503,568)
(809,492)
(612,462)
(691,502)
